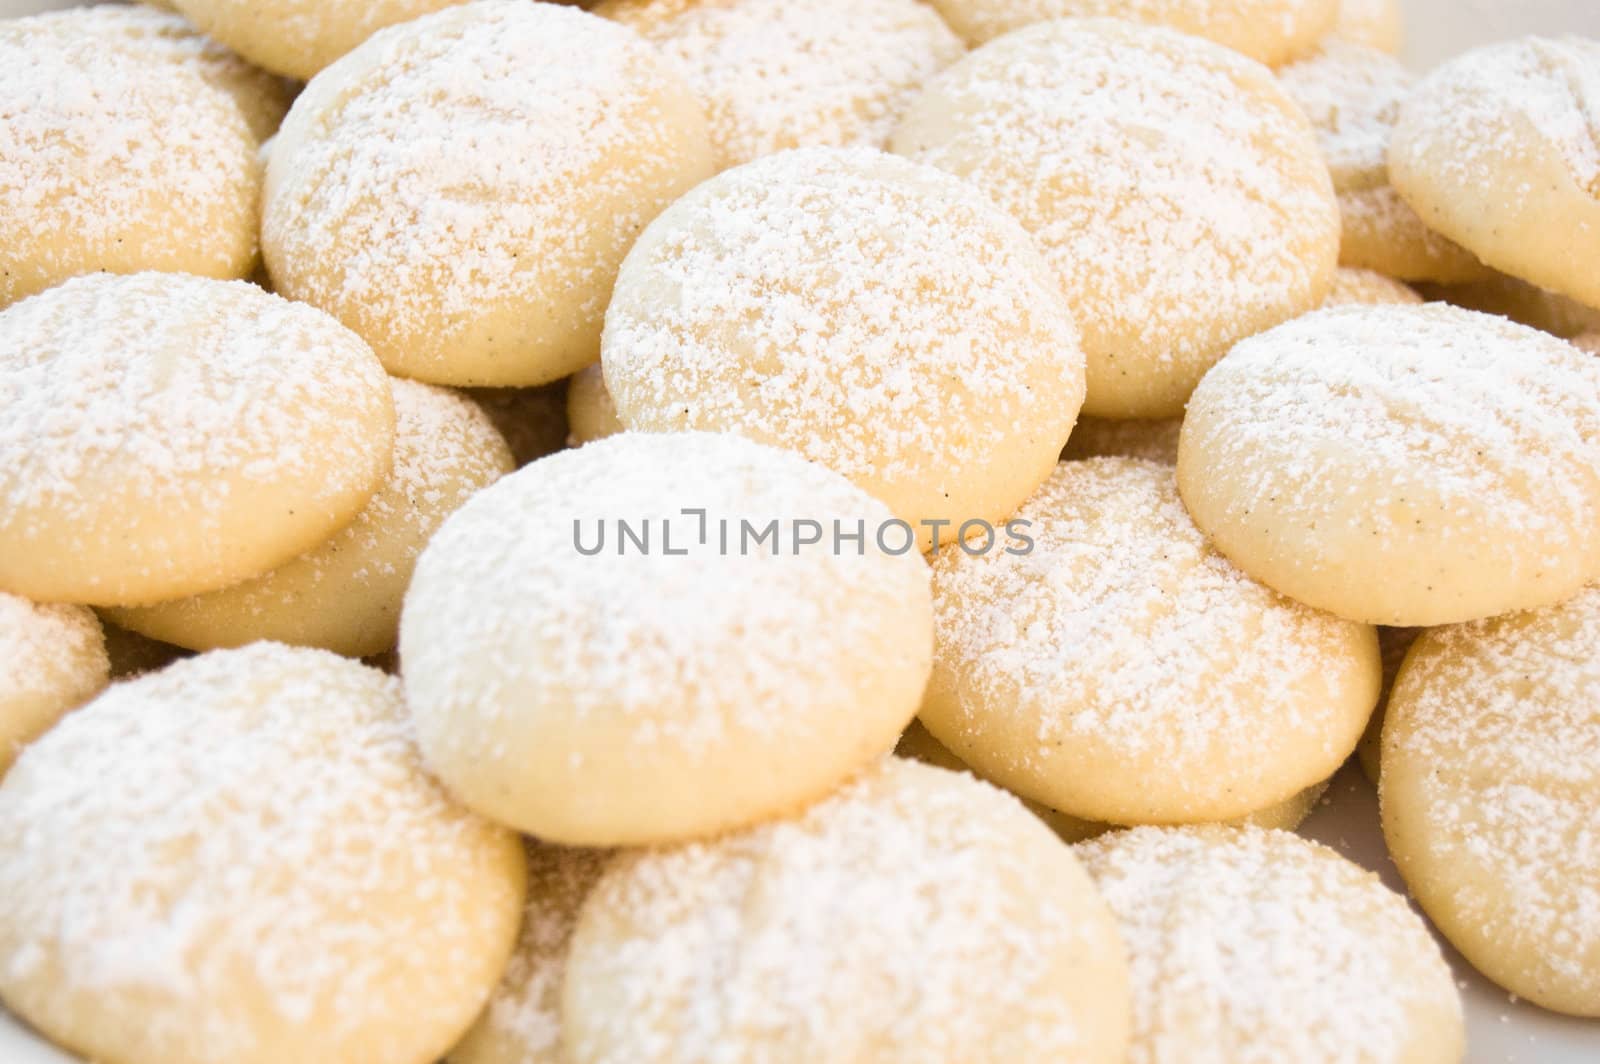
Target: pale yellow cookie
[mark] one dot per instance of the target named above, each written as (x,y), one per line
(1367,288)
(532,420)
(656,637)
(1491,779)
(1270,31)
(163,435)
(1120,669)
(591,415)
(240,858)
(775,74)
(1521,302)
(52,660)
(1404,466)
(1156,440)
(1352,94)
(1174,188)
(917,915)
(344,594)
(112,162)
(1259,947)
(1499,149)
(460,190)
(1375,23)
(878,317)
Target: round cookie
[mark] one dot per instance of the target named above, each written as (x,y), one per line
(878,317)
(153,36)
(1480,131)
(110,162)
(1174,188)
(642,640)
(517,176)
(522,1022)
(591,415)
(1403,466)
(532,420)
(1269,31)
(299,37)
(1521,302)
(1258,947)
(915,915)
(163,435)
(344,594)
(1367,288)
(52,659)
(774,74)
(1377,24)
(1121,670)
(1352,94)
(241,858)
(1491,775)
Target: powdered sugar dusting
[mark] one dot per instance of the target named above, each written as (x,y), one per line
(45,648)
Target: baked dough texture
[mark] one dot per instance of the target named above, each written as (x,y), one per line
(1259,947)
(878,317)
(163,435)
(460,191)
(1490,778)
(915,916)
(1124,671)
(648,695)
(241,858)
(774,74)
(1404,466)
(52,660)
(1174,188)
(344,594)
(1482,131)
(111,162)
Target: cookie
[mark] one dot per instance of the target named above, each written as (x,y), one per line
(52,660)
(163,435)
(1367,288)
(1175,189)
(591,415)
(1377,24)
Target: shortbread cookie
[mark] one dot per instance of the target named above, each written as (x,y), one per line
(1375,23)
(878,317)
(916,915)
(1259,947)
(1270,31)
(1352,94)
(344,594)
(241,858)
(1122,670)
(1482,131)
(52,659)
(163,435)
(1156,441)
(1393,643)
(522,1022)
(1491,778)
(1173,186)
(532,420)
(1404,466)
(299,37)
(460,190)
(111,162)
(1521,302)
(1367,288)
(591,415)
(656,637)
(774,74)
(153,36)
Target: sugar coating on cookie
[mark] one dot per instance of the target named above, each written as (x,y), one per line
(461,189)
(591,415)
(1352,93)
(1153,440)
(1490,775)
(1483,130)
(163,37)
(1367,288)
(878,317)
(1122,670)
(1405,466)
(774,74)
(52,659)
(299,37)
(1174,188)
(656,637)
(109,162)
(1269,31)
(1377,24)
(915,915)
(533,421)
(1256,947)
(163,435)
(344,594)
(241,858)
(522,1022)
